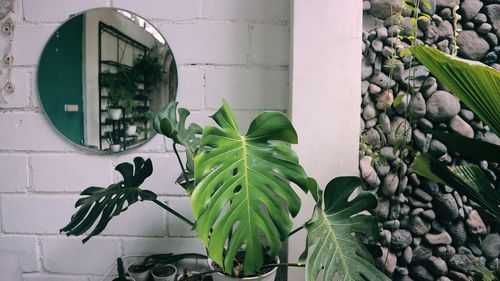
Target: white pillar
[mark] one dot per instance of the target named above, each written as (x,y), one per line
(325,96)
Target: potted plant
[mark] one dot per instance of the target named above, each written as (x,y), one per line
(147,70)
(138,271)
(114,140)
(242,199)
(121,91)
(121,272)
(164,272)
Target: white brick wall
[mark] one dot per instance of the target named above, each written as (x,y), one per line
(237,50)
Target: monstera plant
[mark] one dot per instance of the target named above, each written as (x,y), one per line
(242,199)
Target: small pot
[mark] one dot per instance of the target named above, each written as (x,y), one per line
(164,272)
(269,276)
(131,130)
(115,113)
(115,147)
(137,274)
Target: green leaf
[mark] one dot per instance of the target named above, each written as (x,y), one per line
(472,148)
(242,187)
(466,179)
(98,203)
(398,100)
(427,4)
(166,123)
(475,84)
(331,231)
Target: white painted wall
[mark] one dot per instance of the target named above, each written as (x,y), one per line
(325,71)
(224,48)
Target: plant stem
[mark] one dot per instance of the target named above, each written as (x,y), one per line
(184,174)
(283,264)
(164,206)
(192,277)
(296,230)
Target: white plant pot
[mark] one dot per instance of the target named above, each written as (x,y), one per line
(171,277)
(115,113)
(131,130)
(269,276)
(138,276)
(115,147)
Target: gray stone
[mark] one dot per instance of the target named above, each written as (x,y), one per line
(443,278)
(493,13)
(457,233)
(429,215)
(372,137)
(475,223)
(390,184)
(492,39)
(484,28)
(382,209)
(366,6)
(491,138)
(459,126)
(445,206)
(480,18)
(461,263)
(417,106)
(385,100)
(471,45)
(389,153)
(381,33)
(442,238)
(407,255)
(366,69)
(437,266)
(470,8)
(400,239)
(458,276)
(377,45)
(365,165)
(420,140)
(424,23)
(383,81)
(490,58)
(418,226)
(442,106)
(437,148)
(428,7)
(467,114)
(490,246)
(419,272)
(414,77)
(374,89)
(400,129)
(384,122)
(446,13)
(364,87)
(392,224)
(387,261)
(422,195)
(445,30)
(429,87)
(369,112)
(388,51)
(382,8)
(444,4)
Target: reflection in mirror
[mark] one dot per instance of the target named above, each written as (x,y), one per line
(101,74)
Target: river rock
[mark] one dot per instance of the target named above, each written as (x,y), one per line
(470,8)
(401,239)
(457,233)
(390,184)
(490,246)
(461,263)
(437,266)
(471,45)
(442,106)
(387,261)
(428,7)
(445,206)
(475,223)
(415,76)
(459,126)
(419,272)
(382,8)
(442,238)
(383,81)
(384,100)
(400,128)
(493,13)
(417,226)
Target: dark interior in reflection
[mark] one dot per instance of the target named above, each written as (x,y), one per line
(91,64)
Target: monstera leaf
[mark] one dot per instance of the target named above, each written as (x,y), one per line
(109,202)
(242,196)
(331,231)
(165,122)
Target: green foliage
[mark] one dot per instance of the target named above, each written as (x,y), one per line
(148,70)
(242,184)
(331,230)
(121,88)
(475,84)
(172,124)
(108,202)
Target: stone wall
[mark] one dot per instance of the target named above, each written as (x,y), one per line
(430,232)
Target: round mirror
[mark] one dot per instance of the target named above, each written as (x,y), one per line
(101,74)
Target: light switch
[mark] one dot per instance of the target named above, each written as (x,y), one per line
(71,107)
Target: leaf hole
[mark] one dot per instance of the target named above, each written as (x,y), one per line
(235,171)
(237,189)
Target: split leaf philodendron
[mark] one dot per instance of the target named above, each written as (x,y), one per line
(242,199)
